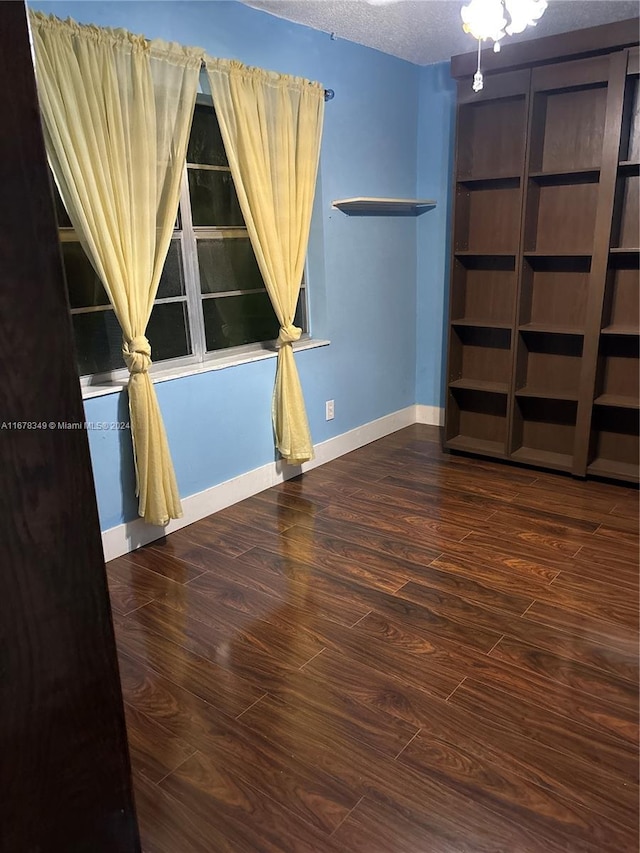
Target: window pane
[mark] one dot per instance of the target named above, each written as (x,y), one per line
(168,331)
(231,321)
(213,198)
(300,318)
(228,264)
(205,142)
(172,278)
(98,342)
(86,290)
(84,286)
(98,337)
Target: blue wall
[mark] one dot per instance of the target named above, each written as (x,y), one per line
(436,132)
(381,139)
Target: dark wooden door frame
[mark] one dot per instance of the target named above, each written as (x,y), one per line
(65,779)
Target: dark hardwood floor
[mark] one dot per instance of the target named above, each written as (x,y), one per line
(399,652)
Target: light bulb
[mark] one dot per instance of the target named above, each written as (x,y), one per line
(484,19)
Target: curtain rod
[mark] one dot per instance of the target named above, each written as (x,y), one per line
(329,94)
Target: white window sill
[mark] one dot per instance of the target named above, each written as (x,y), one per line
(218,361)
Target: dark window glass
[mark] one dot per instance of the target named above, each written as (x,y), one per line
(168,331)
(213,199)
(98,337)
(231,321)
(172,278)
(205,142)
(84,287)
(301,311)
(228,264)
(98,342)
(86,290)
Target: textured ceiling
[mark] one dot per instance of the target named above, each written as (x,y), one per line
(425,31)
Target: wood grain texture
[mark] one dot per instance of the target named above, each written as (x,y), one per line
(155,752)
(170,567)
(588,678)
(516,791)
(443,659)
(254,820)
(65,779)
(308,792)
(533,280)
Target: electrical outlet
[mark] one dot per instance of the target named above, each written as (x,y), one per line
(329,411)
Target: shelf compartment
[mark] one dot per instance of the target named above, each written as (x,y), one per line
(560,218)
(566,176)
(480,324)
(560,256)
(491,137)
(489,181)
(621,308)
(626,213)
(617,372)
(621,330)
(550,329)
(467,256)
(488,219)
(545,394)
(544,432)
(572,129)
(480,354)
(484,291)
(554,294)
(477,445)
(617,401)
(548,365)
(613,469)
(384,206)
(613,449)
(477,421)
(543,458)
(480,385)
(630,134)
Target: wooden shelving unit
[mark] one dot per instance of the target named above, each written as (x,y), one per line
(544,311)
(612,448)
(488,200)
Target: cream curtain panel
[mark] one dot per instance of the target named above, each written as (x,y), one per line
(271,126)
(117,113)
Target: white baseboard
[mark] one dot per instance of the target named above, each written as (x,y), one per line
(127,537)
(433,415)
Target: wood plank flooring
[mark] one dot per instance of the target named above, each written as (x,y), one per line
(400,652)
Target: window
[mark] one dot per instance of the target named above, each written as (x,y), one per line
(211,297)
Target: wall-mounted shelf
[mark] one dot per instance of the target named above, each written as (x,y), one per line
(389,206)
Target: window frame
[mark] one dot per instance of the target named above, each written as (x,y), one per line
(191,234)
(200,359)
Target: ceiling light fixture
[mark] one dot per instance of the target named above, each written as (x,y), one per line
(495,19)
